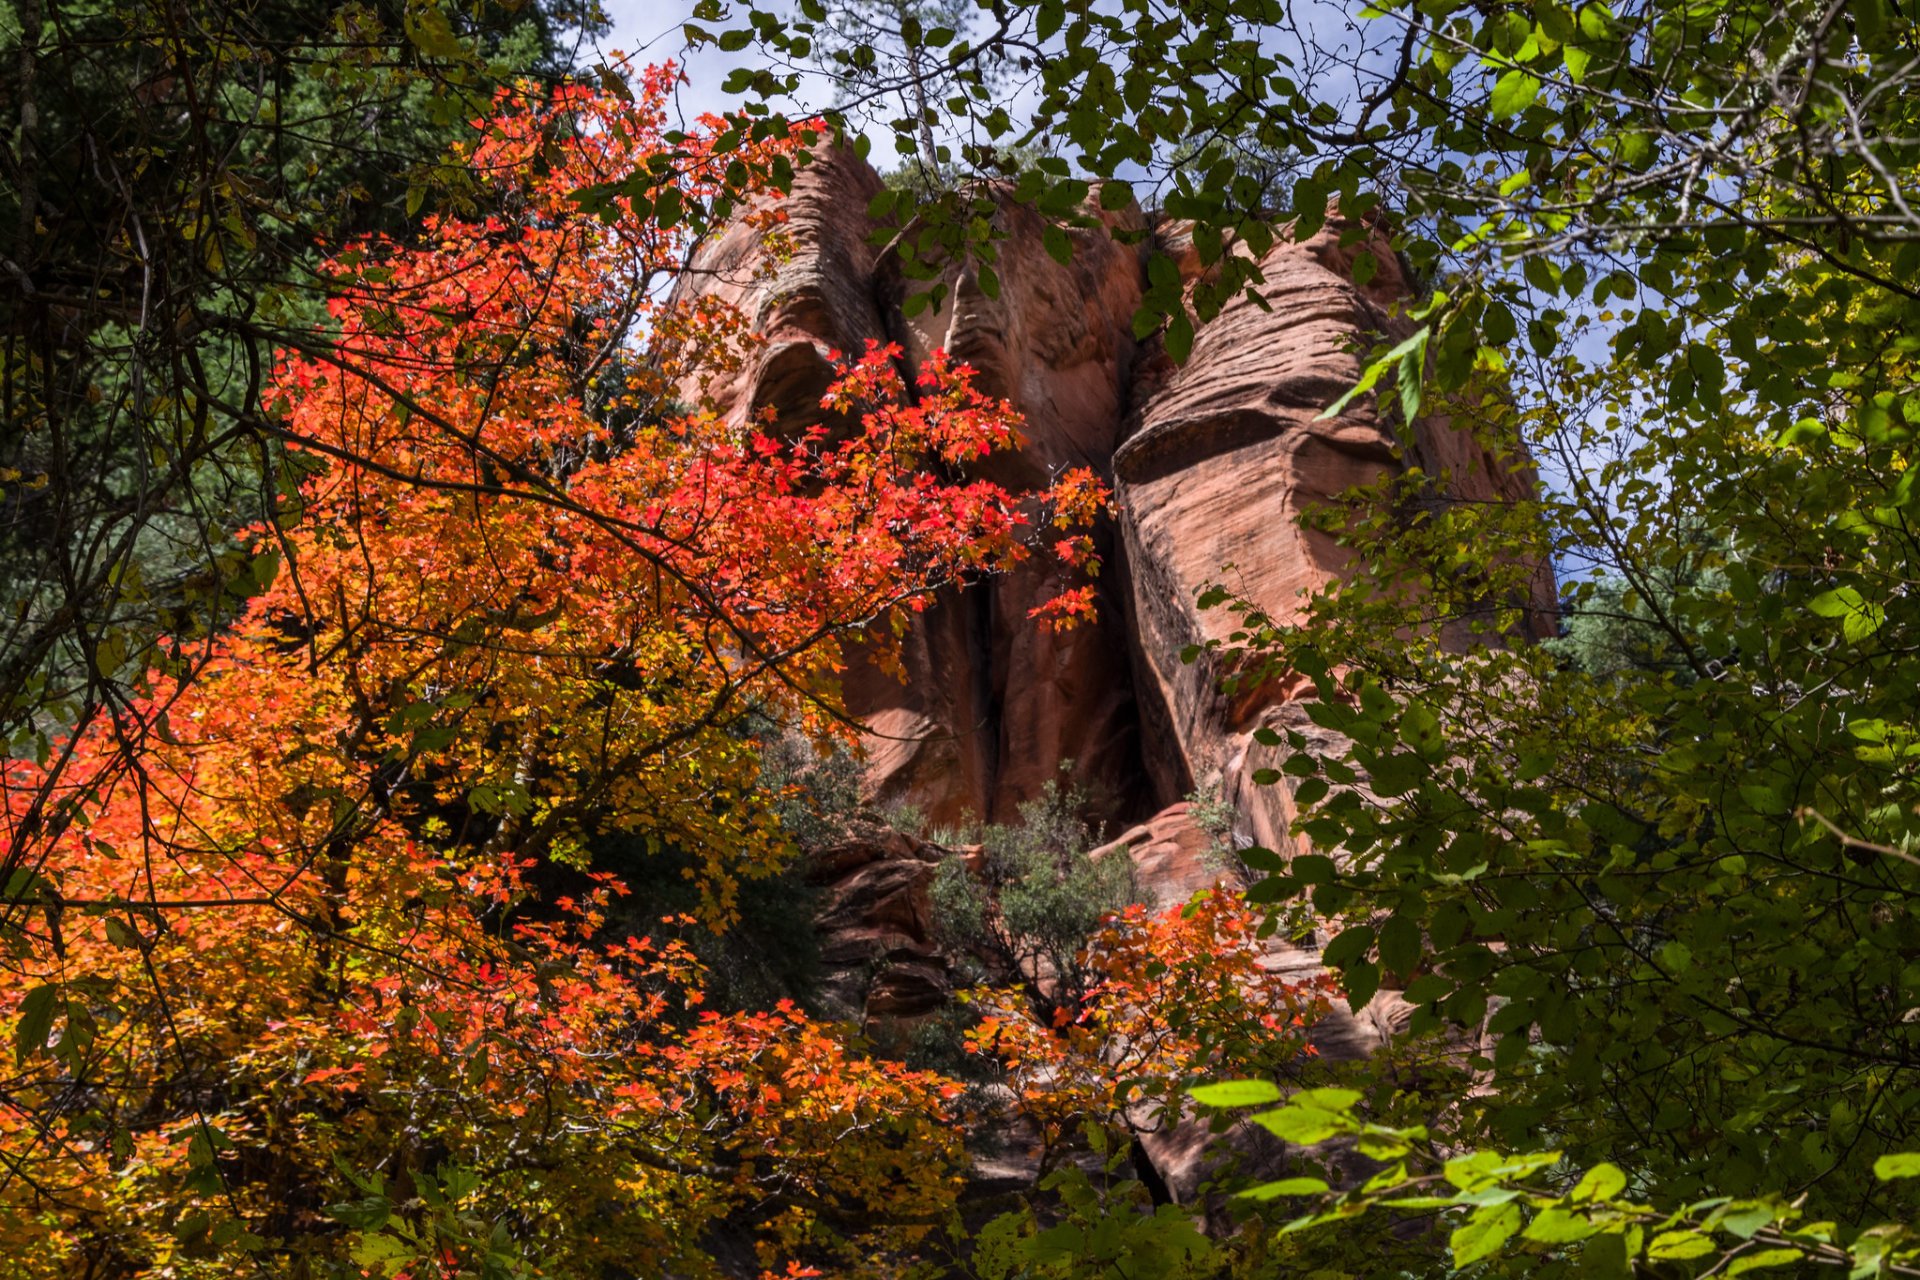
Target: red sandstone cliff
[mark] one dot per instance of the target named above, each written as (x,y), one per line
(1212,463)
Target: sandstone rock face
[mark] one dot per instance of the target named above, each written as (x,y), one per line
(992,702)
(1058,343)
(1225,455)
(816,299)
(1212,464)
(876,926)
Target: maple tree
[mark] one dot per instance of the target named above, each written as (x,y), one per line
(1169,996)
(172,179)
(301,982)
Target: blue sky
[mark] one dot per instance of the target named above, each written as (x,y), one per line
(650,31)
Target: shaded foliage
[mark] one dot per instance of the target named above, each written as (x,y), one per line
(170,172)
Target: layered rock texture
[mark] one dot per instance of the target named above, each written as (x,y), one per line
(1212,463)
(878,945)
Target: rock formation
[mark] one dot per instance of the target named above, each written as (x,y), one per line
(877,941)
(1212,462)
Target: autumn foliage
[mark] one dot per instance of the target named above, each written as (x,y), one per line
(290,989)
(1176,996)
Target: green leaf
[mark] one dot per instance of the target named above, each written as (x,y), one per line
(1261,859)
(1513,93)
(383,1251)
(1676,957)
(1602,1182)
(1361,981)
(1302,1127)
(1836,603)
(1481,1169)
(35,1022)
(1608,1256)
(1235,1093)
(1555,1225)
(367,1214)
(1678,1246)
(1764,1258)
(1059,245)
(1901,1164)
(1863,622)
(1482,1235)
(1285,1187)
(1415,346)
(1179,339)
(1328,1098)
(666,207)
(1744,1221)
(430,32)
(1400,944)
(1353,942)
(1420,729)
(1302,1123)
(1048,19)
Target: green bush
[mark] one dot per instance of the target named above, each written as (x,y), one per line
(1024,915)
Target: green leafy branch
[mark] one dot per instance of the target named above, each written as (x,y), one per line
(1499,1206)
(437,1227)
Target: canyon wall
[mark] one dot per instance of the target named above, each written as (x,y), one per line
(1211,463)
